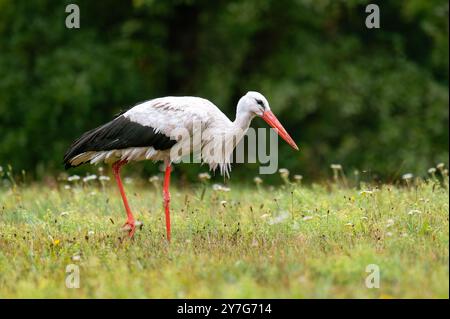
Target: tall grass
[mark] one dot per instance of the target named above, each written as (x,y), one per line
(293,240)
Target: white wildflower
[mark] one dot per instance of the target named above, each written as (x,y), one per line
(220,188)
(67,187)
(431,171)
(104,178)
(128,180)
(407,176)
(280,218)
(264,216)
(73,178)
(307,218)
(204,177)
(336,166)
(154,179)
(389,223)
(298,178)
(258,180)
(414,212)
(440,166)
(284,172)
(64,214)
(76,257)
(90,178)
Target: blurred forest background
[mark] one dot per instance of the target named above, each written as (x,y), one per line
(369,99)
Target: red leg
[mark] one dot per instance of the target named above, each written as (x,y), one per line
(166,195)
(130,219)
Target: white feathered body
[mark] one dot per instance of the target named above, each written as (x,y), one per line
(211,135)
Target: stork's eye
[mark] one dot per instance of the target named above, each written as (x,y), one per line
(260,103)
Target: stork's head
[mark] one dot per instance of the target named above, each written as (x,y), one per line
(255,104)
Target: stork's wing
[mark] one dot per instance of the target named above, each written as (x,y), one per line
(149,124)
(169,113)
(119,133)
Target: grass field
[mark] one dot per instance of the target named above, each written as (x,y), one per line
(289,241)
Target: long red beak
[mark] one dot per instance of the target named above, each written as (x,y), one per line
(272,120)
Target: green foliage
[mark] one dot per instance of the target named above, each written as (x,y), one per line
(369,99)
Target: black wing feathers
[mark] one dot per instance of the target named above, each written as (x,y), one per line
(119,133)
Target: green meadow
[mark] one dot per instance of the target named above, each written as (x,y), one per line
(234,241)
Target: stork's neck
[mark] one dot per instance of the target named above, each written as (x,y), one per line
(243,120)
(219,145)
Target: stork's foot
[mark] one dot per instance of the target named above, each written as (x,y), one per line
(130,226)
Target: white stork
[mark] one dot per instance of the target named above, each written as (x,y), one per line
(151,131)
